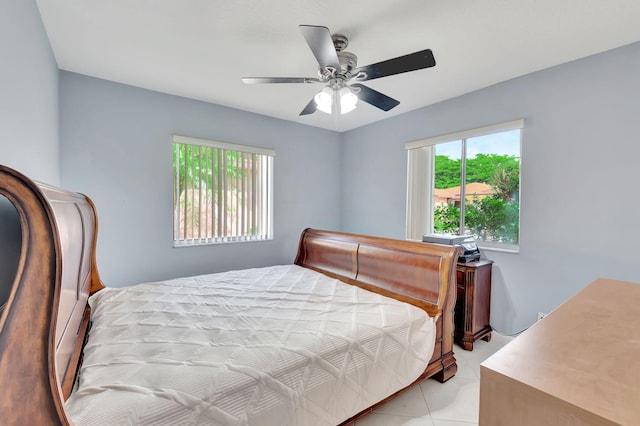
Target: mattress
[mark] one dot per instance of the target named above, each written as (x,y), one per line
(281,345)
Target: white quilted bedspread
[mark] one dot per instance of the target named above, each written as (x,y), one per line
(281,345)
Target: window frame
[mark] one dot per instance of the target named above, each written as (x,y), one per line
(418,215)
(266,185)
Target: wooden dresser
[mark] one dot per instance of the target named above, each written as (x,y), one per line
(580,365)
(473,303)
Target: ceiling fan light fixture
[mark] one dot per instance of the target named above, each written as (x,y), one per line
(324,100)
(328,97)
(348,100)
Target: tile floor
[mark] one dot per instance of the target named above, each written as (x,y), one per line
(431,403)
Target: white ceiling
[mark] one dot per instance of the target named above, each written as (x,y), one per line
(201,48)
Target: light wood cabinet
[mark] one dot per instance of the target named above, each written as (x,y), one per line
(577,366)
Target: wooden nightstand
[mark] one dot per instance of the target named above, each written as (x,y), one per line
(473,303)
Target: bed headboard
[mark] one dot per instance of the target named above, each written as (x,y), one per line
(46,311)
(417,273)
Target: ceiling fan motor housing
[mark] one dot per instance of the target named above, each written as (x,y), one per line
(340,42)
(348,61)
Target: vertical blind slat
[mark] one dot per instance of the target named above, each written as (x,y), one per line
(185,217)
(193,194)
(269,189)
(216,206)
(176,193)
(221,191)
(254,186)
(198,213)
(225,194)
(243,169)
(236,199)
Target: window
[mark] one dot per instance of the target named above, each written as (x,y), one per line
(222,192)
(467,183)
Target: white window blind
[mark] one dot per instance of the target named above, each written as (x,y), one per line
(222,192)
(419,196)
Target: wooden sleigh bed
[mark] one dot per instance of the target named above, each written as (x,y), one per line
(46,321)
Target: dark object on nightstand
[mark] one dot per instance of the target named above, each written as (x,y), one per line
(467,242)
(473,303)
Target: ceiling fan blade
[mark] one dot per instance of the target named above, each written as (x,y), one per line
(411,62)
(375,98)
(319,40)
(310,108)
(261,80)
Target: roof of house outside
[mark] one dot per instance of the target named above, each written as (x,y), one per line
(473,188)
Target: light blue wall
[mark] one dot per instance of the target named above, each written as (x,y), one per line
(116,147)
(580,154)
(28,115)
(28,93)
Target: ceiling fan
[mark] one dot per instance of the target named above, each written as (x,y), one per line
(339,73)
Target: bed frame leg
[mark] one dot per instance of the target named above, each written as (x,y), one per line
(449,368)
